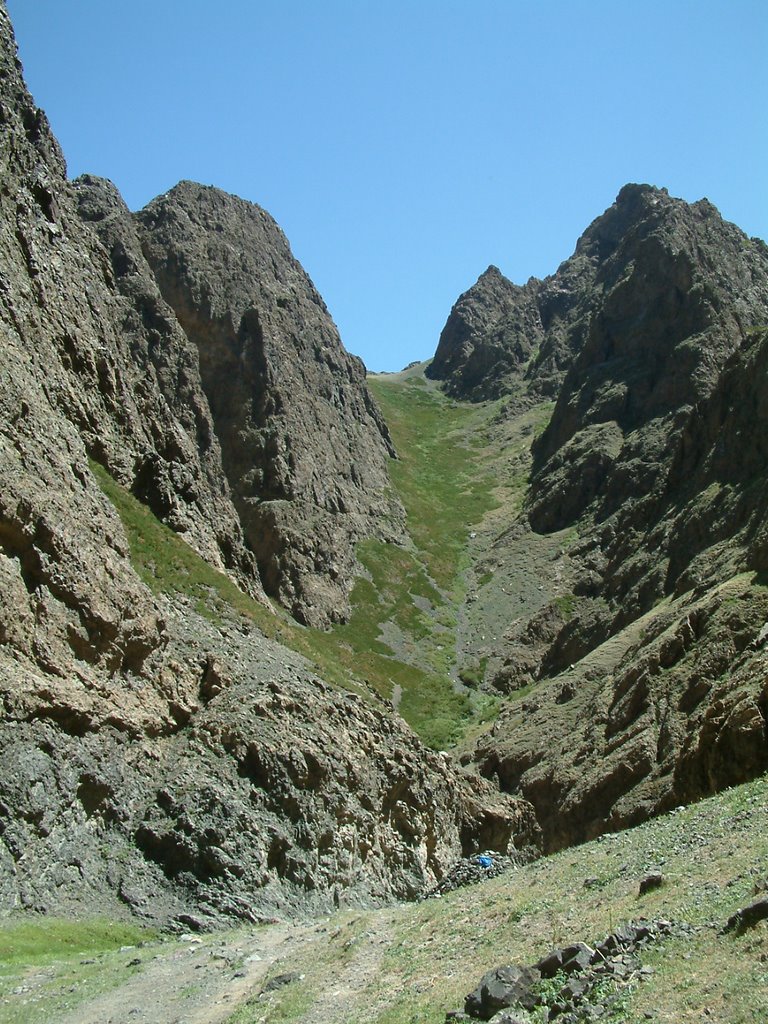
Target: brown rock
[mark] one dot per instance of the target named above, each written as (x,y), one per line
(304,447)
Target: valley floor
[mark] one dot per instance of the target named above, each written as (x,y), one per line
(410,964)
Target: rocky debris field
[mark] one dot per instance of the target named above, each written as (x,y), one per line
(566,983)
(471,870)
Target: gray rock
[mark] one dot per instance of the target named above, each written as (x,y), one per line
(501,988)
(281,980)
(550,964)
(304,447)
(748,916)
(652,881)
(576,958)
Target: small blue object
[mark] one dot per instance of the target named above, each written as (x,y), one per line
(484,861)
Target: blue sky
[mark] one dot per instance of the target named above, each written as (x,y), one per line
(404,146)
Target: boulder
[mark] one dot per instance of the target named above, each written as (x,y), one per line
(501,988)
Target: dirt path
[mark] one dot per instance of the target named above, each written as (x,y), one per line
(200,981)
(205,979)
(350,993)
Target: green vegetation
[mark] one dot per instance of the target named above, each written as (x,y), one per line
(427,956)
(167,564)
(35,940)
(473,672)
(441,475)
(49,966)
(401,633)
(566,605)
(412,963)
(281,1007)
(399,640)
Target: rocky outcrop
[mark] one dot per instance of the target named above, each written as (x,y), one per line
(670,709)
(489,338)
(572,983)
(89,339)
(677,289)
(264,397)
(69,593)
(649,273)
(651,480)
(503,340)
(225,781)
(304,447)
(156,761)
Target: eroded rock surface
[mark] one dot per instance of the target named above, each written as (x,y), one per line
(225,781)
(644,518)
(304,447)
(155,761)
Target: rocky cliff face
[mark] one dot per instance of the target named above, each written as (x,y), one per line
(225,780)
(247,394)
(305,449)
(504,340)
(489,338)
(95,340)
(648,490)
(153,760)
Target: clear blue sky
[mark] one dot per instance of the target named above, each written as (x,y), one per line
(403,145)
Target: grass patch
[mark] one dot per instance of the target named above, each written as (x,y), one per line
(35,941)
(473,672)
(429,955)
(168,565)
(410,594)
(279,1007)
(399,641)
(566,605)
(50,966)
(443,481)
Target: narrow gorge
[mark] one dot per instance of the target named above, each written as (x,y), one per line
(279,637)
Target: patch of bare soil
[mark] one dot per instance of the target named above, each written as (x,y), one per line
(199,981)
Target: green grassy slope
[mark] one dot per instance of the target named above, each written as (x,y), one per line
(409,965)
(49,966)
(400,639)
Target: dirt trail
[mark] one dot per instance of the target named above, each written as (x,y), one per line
(206,979)
(200,981)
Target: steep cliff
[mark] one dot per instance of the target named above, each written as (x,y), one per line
(489,338)
(98,344)
(305,449)
(645,508)
(157,760)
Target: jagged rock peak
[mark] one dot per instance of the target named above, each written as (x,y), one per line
(500,339)
(304,447)
(674,290)
(491,272)
(491,332)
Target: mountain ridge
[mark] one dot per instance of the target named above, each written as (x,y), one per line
(158,767)
(185,755)
(650,480)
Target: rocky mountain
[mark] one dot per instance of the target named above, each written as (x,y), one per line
(489,338)
(304,447)
(160,755)
(647,491)
(184,441)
